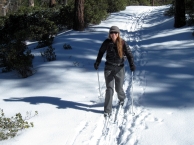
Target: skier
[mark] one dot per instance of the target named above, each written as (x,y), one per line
(114,71)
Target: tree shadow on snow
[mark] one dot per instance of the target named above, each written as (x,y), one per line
(166,63)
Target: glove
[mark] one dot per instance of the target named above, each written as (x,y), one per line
(96,64)
(132,67)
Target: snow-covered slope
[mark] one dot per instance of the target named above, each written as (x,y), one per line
(66,94)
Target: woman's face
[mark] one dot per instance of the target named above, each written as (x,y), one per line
(114,36)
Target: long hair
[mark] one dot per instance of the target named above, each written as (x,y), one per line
(119,45)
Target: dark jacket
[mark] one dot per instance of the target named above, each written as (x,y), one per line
(112,56)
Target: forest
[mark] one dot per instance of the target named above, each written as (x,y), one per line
(41,20)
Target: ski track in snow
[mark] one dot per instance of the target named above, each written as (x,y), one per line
(127,130)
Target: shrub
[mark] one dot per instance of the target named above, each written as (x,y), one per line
(41,28)
(144,2)
(115,5)
(2,57)
(133,2)
(67,46)
(95,11)
(49,54)
(64,18)
(171,11)
(2,21)
(9,127)
(17,56)
(36,24)
(190,11)
(15,26)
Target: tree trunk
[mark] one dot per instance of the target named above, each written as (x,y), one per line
(78,23)
(31,3)
(1,9)
(65,2)
(4,9)
(52,3)
(179,18)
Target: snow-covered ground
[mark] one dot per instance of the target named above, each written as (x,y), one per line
(66,94)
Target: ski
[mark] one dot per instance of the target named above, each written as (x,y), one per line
(107,120)
(117,113)
(106,124)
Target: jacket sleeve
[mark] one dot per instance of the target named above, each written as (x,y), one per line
(102,50)
(128,54)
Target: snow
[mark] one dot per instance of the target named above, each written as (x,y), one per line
(66,94)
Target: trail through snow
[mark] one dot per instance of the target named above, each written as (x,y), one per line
(126,131)
(69,99)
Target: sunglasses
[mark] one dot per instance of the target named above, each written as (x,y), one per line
(113,32)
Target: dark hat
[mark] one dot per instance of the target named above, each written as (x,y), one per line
(114,29)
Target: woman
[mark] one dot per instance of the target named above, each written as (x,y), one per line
(115,48)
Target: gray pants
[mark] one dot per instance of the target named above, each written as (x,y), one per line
(113,74)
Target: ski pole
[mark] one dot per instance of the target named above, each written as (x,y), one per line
(99,83)
(132,94)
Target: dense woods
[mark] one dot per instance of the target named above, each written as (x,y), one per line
(41,20)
